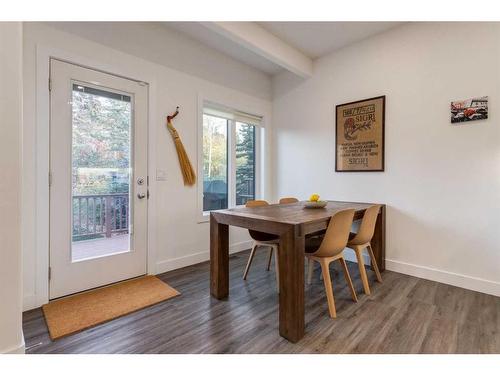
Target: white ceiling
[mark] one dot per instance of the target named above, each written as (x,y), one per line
(317,39)
(313,39)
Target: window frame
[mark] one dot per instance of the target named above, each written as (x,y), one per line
(204,216)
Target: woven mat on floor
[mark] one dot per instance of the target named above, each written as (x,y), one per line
(84,310)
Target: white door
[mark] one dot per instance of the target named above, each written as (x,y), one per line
(98,173)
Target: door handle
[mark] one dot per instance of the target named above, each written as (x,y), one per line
(141,195)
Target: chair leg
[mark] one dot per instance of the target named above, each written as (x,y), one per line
(277,266)
(374,263)
(270,258)
(348,279)
(250,258)
(328,288)
(310,270)
(362,270)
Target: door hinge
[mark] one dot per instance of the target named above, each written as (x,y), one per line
(50,84)
(50,179)
(50,273)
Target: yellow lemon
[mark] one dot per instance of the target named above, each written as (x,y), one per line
(314,198)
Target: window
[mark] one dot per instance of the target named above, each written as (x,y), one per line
(245,163)
(228,160)
(215,179)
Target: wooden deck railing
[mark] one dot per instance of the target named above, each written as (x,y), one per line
(100,214)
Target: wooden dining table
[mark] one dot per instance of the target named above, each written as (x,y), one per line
(292,223)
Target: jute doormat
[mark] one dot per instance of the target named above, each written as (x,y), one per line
(84,310)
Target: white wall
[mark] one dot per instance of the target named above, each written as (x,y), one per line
(442,182)
(163,45)
(11,338)
(180,239)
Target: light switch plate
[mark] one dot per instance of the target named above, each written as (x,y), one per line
(161,174)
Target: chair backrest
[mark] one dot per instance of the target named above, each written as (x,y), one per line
(337,234)
(259,236)
(288,200)
(256,203)
(367,227)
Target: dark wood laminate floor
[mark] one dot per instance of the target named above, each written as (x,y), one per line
(404,314)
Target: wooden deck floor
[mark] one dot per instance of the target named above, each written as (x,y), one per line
(100,247)
(404,314)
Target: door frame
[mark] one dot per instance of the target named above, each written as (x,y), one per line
(42,214)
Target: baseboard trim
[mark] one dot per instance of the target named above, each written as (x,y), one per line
(463,281)
(20,349)
(203,256)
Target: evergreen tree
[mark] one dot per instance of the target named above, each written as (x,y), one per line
(245,163)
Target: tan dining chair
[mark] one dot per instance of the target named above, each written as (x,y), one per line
(361,240)
(329,248)
(263,240)
(288,200)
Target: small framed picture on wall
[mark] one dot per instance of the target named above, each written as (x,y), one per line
(359,136)
(469,110)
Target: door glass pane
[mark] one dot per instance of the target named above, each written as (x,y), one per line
(101,172)
(245,163)
(214,163)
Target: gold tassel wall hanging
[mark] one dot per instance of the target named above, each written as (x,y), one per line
(186,167)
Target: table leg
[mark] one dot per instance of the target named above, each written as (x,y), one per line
(291,276)
(378,240)
(219,259)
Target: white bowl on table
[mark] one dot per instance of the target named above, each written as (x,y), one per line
(316,204)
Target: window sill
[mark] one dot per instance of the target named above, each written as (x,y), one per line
(204,217)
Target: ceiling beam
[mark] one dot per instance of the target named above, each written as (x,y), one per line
(265,44)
